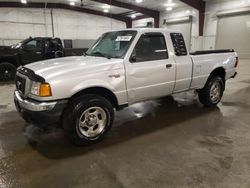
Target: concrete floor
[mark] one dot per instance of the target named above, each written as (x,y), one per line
(164,143)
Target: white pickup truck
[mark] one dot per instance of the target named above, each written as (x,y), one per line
(121,68)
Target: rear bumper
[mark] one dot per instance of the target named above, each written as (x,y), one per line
(42,114)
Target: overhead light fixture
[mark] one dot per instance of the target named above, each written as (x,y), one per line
(24,1)
(169,4)
(133,16)
(106,6)
(72,3)
(106,10)
(138,1)
(169,8)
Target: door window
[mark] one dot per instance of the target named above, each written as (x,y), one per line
(34,45)
(150,47)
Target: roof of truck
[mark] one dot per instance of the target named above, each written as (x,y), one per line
(150,30)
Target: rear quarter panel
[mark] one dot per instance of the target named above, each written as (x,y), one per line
(204,65)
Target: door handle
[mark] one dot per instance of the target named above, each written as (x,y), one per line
(115,76)
(168,66)
(38,52)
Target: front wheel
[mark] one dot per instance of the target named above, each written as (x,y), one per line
(7,72)
(87,119)
(213,91)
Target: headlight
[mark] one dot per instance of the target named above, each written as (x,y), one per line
(41,89)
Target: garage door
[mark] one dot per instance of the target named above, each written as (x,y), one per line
(234,32)
(185,28)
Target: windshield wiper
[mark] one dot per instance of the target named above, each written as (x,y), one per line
(101,54)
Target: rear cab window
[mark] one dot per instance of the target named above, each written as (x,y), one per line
(150,47)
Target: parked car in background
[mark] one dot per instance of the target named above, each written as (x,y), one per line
(120,69)
(31,50)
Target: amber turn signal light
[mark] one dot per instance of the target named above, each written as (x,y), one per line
(45,90)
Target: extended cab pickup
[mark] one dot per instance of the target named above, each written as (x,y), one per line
(31,50)
(121,68)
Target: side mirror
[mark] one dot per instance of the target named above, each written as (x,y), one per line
(133,58)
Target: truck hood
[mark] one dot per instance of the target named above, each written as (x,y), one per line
(73,66)
(7,51)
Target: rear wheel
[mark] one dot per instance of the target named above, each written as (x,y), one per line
(213,91)
(87,119)
(7,72)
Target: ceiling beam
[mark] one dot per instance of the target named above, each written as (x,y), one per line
(141,17)
(149,12)
(129,13)
(200,5)
(197,4)
(67,7)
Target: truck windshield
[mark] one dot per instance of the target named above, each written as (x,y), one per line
(19,44)
(112,44)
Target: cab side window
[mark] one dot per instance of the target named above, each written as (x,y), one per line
(34,45)
(150,47)
(179,44)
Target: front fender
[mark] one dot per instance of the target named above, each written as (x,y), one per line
(89,84)
(13,59)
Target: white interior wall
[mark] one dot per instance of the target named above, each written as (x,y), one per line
(183,12)
(211,20)
(20,23)
(214,6)
(142,22)
(207,42)
(75,25)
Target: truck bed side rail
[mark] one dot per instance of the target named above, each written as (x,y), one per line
(212,52)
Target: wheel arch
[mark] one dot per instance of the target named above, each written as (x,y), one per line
(101,91)
(219,71)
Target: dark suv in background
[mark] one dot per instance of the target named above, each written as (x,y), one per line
(31,50)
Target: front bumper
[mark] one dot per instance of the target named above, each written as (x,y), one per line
(43,114)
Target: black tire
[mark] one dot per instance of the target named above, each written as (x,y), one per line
(7,71)
(58,54)
(74,112)
(205,94)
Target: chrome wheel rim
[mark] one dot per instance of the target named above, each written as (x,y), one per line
(92,122)
(215,92)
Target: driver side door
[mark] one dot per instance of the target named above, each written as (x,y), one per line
(32,51)
(150,71)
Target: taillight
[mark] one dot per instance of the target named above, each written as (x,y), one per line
(237,62)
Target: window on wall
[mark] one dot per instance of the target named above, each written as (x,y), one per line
(150,47)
